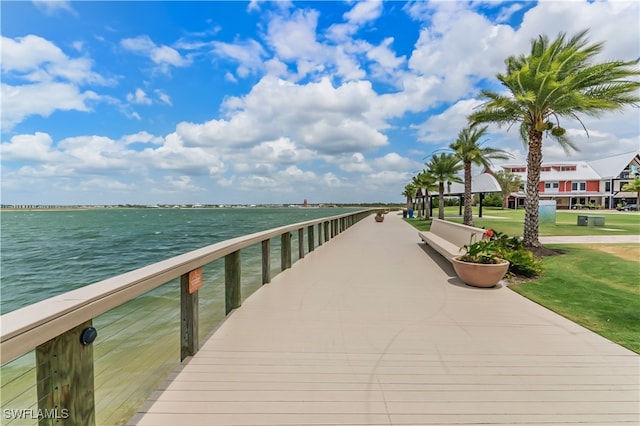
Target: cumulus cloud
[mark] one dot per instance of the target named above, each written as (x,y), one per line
(39,79)
(163,56)
(316,116)
(139,97)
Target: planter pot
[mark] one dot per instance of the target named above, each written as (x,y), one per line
(480,274)
(379,218)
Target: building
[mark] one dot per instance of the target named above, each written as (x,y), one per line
(576,184)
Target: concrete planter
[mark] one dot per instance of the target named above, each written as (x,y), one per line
(480,274)
(379,218)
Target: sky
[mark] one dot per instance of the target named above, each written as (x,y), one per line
(232,102)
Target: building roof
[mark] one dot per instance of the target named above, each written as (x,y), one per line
(603,168)
(484,182)
(610,167)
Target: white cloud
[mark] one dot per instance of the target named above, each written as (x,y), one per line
(139,97)
(35,59)
(315,116)
(19,102)
(249,54)
(53,6)
(163,56)
(163,97)
(36,147)
(364,12)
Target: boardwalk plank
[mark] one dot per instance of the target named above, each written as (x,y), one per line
(373,328)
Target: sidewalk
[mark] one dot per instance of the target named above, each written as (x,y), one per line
(591,239)
(375,328)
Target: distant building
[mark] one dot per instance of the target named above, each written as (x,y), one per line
(574,184)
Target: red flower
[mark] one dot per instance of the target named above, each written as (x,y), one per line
(489,233)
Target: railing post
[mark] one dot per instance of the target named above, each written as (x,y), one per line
(232,273)
(310,238)
(326,231)
(189,342)
(266,261)
(285,251)
(300,243)
(320,235)
(64,372)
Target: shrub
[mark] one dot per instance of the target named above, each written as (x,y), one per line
(522,261)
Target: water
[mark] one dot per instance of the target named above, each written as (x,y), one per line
(46,253)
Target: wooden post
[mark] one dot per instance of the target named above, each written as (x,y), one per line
(189,342)
(300,243)
(320,235)
(326,232)
(310,238)
(266,261)
(232,289)
(64,372)
(285,251)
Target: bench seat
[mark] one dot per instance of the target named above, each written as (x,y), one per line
(447,238)
(442,246)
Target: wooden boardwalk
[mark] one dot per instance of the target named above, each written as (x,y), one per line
(374,328)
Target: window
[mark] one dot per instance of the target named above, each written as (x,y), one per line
(607,186)
(578,186)
(551,185)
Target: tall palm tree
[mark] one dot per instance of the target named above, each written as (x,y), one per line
(444,169)
(409,192)
(633,186)
(424,181)
(556,80)
(469,150)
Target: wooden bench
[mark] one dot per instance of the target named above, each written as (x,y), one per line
(447,238)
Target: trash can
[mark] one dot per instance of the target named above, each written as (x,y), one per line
(410,213)
(404,213)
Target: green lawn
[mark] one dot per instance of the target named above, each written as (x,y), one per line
(598,290)
(511,222)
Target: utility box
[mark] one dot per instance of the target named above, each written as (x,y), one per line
(584,220)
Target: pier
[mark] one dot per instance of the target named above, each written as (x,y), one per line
(377,329)
(371,328)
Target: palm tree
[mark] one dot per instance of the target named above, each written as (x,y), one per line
(424,181)
(556,80)
(469,150)
(508,182)
(444,169)
(409,192)
(633,186)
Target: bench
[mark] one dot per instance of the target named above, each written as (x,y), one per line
(447,238)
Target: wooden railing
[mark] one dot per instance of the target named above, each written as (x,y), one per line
(60,328)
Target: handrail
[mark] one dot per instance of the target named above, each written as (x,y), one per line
(26,328)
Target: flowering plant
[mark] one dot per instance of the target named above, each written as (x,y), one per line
(485,251)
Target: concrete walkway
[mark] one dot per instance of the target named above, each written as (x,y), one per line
(374,328)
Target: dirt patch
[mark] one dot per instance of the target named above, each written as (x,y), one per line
(623,251)
(543,251)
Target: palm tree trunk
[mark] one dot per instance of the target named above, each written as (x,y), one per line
(441,200)
(468,215)
(532,200)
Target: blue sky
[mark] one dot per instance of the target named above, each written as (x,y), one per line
(267,102)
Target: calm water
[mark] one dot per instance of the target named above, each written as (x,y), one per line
(46,253)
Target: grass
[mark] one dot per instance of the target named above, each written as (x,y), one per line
(597,290)
(511,222)
(596,286)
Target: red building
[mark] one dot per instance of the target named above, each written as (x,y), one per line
(576,184)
